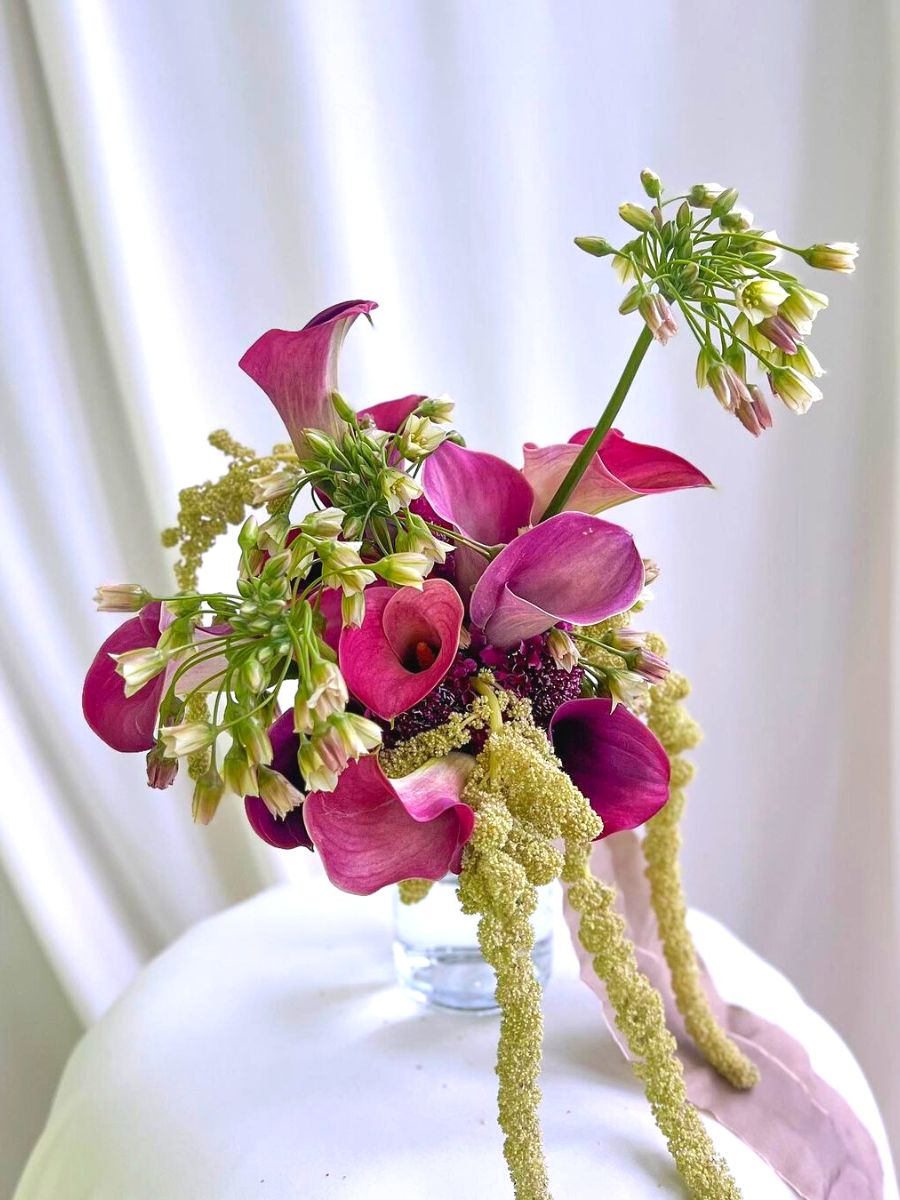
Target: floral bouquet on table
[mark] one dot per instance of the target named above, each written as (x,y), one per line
(468,691)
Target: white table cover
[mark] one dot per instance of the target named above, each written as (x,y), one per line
(268,1054)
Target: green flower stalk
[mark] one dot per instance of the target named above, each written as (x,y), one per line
(699,255)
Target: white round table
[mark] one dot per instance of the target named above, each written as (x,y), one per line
(268,1054)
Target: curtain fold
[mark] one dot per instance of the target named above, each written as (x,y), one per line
(178,177)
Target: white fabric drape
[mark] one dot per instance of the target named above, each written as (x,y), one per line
(178,177)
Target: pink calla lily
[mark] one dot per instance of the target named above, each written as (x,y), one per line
(620,470)
(389,415)
(614,761)
(127,724)
(573,567)
(404,647)
(289,832)
(372,831)
(298,370)
(483,496)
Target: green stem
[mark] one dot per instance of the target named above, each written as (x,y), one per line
(602,428)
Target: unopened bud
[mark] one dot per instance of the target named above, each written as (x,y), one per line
(121,597)
(320,444)
(704,195)
(327,523)
(248,534)
(240,777)
(342,408)
(254,675)
(253,737)
(649,665)
(186,738)
(404,569)
(597,246)
(738,220)
(724,202)
(437,408)
(637,217)
(833,256)
(208,791)
(353,610)
(651,183)
(161,771)
(632,300)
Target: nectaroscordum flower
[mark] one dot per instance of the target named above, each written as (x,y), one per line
(287,829)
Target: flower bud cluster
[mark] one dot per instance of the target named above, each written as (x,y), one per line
(708,259)
(238,650)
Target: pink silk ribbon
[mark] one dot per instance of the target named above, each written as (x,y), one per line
(792,1119)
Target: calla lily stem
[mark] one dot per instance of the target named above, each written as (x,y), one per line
(602,428)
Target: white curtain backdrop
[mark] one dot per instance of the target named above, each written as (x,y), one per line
(177,177)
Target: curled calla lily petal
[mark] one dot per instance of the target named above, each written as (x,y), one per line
(613,759)
(127,724)
(289,832)
(620,470)
(483,496)
(390,414)
(404,647)
(298,370)
(573,567)
(372,831)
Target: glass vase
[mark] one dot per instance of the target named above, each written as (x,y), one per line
(436,949)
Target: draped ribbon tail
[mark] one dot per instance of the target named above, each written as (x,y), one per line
(795,1121)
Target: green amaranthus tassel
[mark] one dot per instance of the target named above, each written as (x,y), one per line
(640,1016)
(676,729)
(206,510)
(524,804)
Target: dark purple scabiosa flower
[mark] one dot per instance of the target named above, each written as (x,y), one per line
(528,670)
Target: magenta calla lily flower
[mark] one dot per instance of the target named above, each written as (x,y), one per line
(298,370)
(483,496)
(372,831)
(285,833)
(127,724)
(620,470)
(614,761)
(573,567)
(389,415)
(404,647)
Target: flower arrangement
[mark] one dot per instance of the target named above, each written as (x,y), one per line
(468,691)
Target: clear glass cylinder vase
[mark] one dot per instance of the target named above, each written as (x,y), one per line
(436,949)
